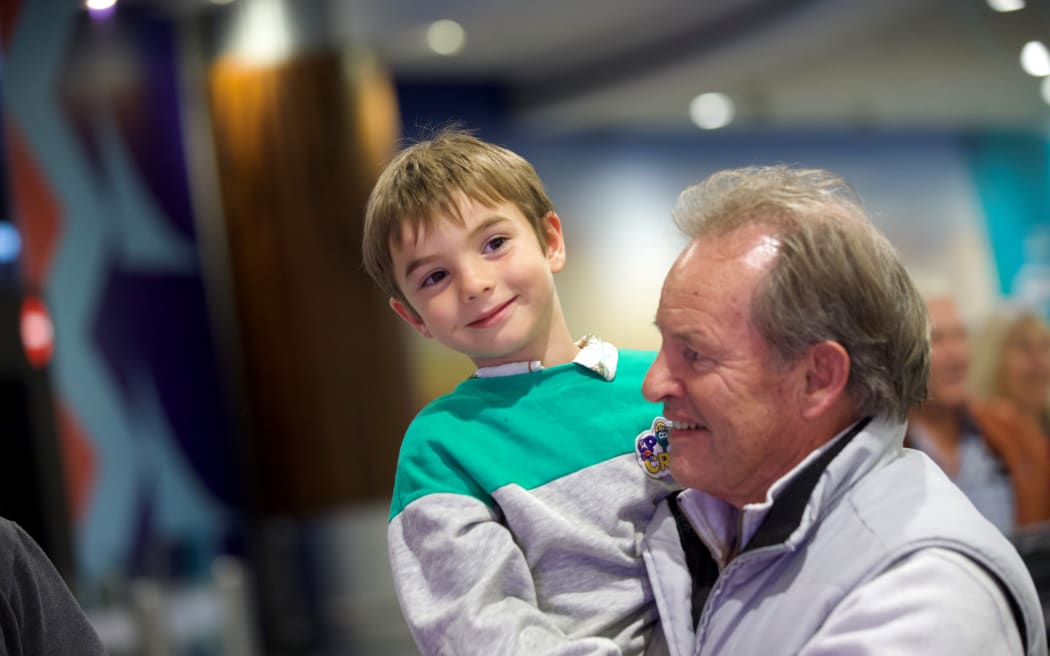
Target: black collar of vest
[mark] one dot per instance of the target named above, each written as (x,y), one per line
(784,517)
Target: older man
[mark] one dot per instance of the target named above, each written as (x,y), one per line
(794,345)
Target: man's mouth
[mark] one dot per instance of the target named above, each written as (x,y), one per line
(686,426)
(490,315)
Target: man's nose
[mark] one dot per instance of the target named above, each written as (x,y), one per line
(658,384)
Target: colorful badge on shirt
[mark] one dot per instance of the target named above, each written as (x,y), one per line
(653,449)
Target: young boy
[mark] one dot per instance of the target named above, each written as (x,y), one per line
(520,498)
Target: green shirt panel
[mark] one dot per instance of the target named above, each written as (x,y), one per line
(527,429)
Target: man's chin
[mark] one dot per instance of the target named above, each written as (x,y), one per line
(686,476)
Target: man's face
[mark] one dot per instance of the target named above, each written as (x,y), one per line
(736,411)
(484,288)
(950,353)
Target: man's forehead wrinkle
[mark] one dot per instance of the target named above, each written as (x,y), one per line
(679,330)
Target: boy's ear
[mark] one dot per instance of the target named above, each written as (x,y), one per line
(555,241)
(827,372)
(409,315)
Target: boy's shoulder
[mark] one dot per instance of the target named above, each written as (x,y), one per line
(635,359)
(476,397)
(632,366)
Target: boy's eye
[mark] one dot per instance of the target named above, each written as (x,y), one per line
(494,244)
(433,278)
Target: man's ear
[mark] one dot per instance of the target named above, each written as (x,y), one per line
(555,242)
(410,316)
(827,372)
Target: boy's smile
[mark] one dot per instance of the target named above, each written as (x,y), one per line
(491,317)
(485,287)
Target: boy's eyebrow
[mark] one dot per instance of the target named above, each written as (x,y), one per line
(416,263)
(481,227)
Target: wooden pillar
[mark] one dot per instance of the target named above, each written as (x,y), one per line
(298,146)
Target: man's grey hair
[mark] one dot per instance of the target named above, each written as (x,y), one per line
(835,278)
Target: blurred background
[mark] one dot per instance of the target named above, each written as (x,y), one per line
(203,395)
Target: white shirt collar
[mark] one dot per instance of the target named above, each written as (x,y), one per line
(595,354)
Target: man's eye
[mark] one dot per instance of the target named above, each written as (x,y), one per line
(433,278)
(690,355)
(494,244)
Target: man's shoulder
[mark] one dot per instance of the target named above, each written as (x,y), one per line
(909,504)
(905,506)
(911,489)
(910,509)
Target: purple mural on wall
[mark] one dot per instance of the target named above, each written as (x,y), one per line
(135,364)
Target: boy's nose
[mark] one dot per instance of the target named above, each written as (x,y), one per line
(474,283)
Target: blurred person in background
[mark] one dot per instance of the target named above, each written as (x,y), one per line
(1002,466)
(1011,365)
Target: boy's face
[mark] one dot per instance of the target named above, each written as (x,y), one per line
(484,288)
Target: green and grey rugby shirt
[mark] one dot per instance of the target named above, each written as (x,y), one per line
(518,508)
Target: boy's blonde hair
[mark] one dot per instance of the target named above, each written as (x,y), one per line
(426,183)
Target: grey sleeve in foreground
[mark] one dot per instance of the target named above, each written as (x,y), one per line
(466,589)
(38,614)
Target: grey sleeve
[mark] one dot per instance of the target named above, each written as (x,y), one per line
(465,587)
(38,613)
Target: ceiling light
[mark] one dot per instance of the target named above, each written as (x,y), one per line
(262,34)
(99,5)
(1035,59)
(1006,5)
(446,37)
(711,111)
